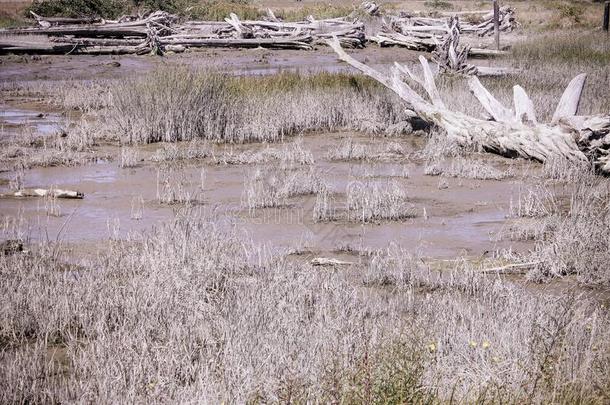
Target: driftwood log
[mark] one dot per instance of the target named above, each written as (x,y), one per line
(44,192)
(579,139)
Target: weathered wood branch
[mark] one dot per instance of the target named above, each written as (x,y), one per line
(576,139)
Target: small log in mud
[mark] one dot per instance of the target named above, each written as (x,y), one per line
(43,192)
(579,139)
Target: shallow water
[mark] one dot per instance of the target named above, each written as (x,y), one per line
(15,120)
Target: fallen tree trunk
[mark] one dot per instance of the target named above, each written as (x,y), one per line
(581,140)
(272,43)
(24,47)
(99,41)
(113,31)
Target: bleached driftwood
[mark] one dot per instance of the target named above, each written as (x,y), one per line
(350,33)
(450,56)
(324,261)
(44,192)
(486,27)
(582,140)
(370,7)
(159,31)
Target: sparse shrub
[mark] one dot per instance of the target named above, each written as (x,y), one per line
(213,10)
(80,8)
(571,11)
(317,10)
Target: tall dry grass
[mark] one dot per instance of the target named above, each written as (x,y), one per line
(575,240)
(173,104)
(194,313)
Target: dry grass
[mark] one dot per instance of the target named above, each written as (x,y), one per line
(368,201)
(128,158)
(466,168)
(192,313)
(194,150)
(175,104)
(272,187)
(293,153)
(177,187)
(576,240)
(350,150)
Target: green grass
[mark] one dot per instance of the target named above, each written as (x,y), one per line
(318,11)
(590,48)
(11,21)
(219,10)
(208,10)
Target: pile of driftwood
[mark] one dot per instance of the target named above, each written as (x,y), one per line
(159,32)
(426,33)
(348,30)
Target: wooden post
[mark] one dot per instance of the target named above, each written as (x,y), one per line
(606,15)
(497,23)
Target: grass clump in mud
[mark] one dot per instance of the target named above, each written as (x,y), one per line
(70,147)
(192,312)
(350,150)
(293,153)
(272,187)
(176,104)
(368,201)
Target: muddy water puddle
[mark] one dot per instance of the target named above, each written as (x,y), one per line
(15,120)
(463,217)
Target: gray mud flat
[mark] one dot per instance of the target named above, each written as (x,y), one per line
(463,217)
